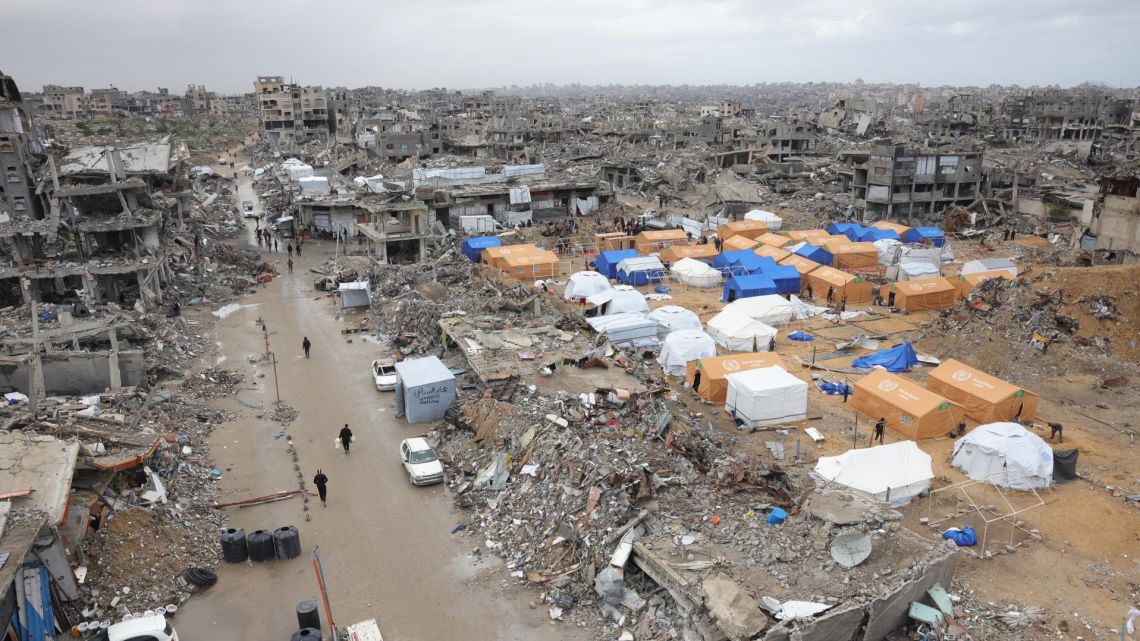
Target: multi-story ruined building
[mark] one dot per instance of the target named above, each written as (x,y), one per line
(900,183)
(291,113)
(1056,114)
(64,101)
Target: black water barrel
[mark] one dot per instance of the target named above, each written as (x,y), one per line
(234,547)
(306,634)
(307,615)
(261,546)
(287,541)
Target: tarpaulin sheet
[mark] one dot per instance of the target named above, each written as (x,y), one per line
(896,359)
(473,247)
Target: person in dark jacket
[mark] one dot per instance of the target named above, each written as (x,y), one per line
(879,428)
(322,482)
(345,437)
(305,344)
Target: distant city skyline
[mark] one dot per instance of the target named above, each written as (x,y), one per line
(462,44)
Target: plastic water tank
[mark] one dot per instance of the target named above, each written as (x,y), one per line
(307,615)
(234,547)
(287,542)
(306,634)
(261,547)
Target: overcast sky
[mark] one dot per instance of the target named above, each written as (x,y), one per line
(461,44)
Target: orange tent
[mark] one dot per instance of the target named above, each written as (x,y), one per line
(650,242)
(901,230)
(846,254)
(707,375)
(775,253)
(612,241)
(813,236)
(987,399)
(494,256)
(696,252)
(531,266)
(840,283)
(967,282)
(802,265)
(924,293)
(773,239)
(747,228)
(910,410)
(738,242)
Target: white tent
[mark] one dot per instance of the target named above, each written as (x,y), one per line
(641,264)
(773,221)
(989,265)
(673,318)
(693,272)
(355,294)
(634,328)
(766,396)
(619,300)
(683,346)
(585,284)
(736,332)
(894,473)
(770,309)
(889,250)
(911,271)
(1006,455)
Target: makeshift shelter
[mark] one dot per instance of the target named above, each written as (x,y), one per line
(675,253)
(650,242)
(924,293)
(748,285)
(1006,455)
(707,375)
(927,235)
(766,396)
(846,254)
(748,228)
(619,300)
(770,220)
(606,263)
(842,229)
(473,247)
(900,230)
(736,332)
(495,256)
(425,388)
(641,270)
(910,410)
(987,399)
(741,261)
(696,273)
(899,358)
(912,271)
(871,234)
(895,473)
(967,282)
(739,242)
(542,265)
(582,285)
(355,294)
(682,346)
(626,328)
(786,278)
(613,241)
(841,284)
(768,251)
(802,265)
(807,235)
(989,265)
(314,186)
(814,253)
(673,318)
(769,309)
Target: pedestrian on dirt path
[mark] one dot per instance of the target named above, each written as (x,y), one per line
(289,249)
(878,433)
(306,345)
(345,437)
(275,246)
(322,482)
(290,263)
(258,234)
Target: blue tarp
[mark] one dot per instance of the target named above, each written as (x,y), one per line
(871,234)
(896,359)
(818,254)
(842,229)
(738,261)
(801,336)
(748,286)
(606,263)
(920,234)
(641,277)
(786,277)
(964,537)
(835,389)
(472,247)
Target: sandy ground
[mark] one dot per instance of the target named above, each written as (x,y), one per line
(385,545)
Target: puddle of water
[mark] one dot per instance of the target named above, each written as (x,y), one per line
(227,310)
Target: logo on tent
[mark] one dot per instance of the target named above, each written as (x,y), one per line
(961,375)
(731,366)
(888,386)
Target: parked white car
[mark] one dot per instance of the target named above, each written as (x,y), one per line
(384,373)
(420,462)
(149,628)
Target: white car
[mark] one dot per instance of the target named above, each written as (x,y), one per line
(420,462)
(148,628)
(384,374)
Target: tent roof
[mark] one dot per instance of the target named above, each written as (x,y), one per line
(804,234)
(802,265)
(748,282)
(874,470)
(901,230)
(483,242)
(691,267)
(639,264)
(769,251)
(832,276)
(542,257)
(585,283)
(739,242)
(1019,450)
(845,246)
(675,253)
(721,366)
(736,324)
(763,378)
(508,250)
(774,239)
(762,306)
(923,286)
(974,278)
(666,234)
(738,226)
(899,392)
(975,382)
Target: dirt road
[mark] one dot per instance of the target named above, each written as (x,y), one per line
(387,546)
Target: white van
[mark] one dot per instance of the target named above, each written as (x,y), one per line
(481,224)
(149,628)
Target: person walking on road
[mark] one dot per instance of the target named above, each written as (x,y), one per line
(300,241)
(289,249)
(322,482)
(275,246)
(290,263)
(345,437)
(305,344)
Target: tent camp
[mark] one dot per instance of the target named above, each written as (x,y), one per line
(696,273)
(766,396)
(748,285)
(425,388)
(774,240)
(786,278)
(986,398)
(842,229)
(740,261)
(739,242)
(682,346)
(841,284)
(814,253)
(544,264)
(619,300)
(672,318)
(966,283)
(802,265)
(748,228)
(473,247)
(627,328)
(650,242)
(871,234)
(768,251)
(899,358)
(900,230)
(606,263)
(846,254)
(613,241)
(707,375)
(642,270)
(807,235)
(912,271)
(1006,455)
(770,220)
(737,332)
(769,309)
(989,265)
(895,473)
(356,294)
(582,285)
(697,252)
(910,410)
(924,293)
(495,256)
(927,235)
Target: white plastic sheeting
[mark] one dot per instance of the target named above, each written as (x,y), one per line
(911,271)
(772,221)
(696,273)
(314,185)
(770,309)
(766,396)
(737,332)
(620,299)
(674,318)
(588,205)
(895,473)
(989,265)
(512,171)
(297,172)
(585,284)
(683,346)
(628,327)
(1006,455)
(355,294)
(641,264)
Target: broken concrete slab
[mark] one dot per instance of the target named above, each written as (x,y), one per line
(736,613)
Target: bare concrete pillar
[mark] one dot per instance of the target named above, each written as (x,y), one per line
(113,359)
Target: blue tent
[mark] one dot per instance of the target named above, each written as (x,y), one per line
(896,359)
(920,234)
(786,278)
(739,287)
(641,276)
(606,263)
(818,254)
(871,234)
(473,247)
(736,261)
(842,229)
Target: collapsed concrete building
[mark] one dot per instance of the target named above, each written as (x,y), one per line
(898,182)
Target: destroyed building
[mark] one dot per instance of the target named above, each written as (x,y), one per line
(291,113)
(898,182)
